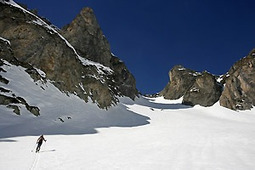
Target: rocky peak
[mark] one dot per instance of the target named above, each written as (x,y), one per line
(89,17)
(181,79)
(234,90)
(85,34)
(78,64)
(194,87)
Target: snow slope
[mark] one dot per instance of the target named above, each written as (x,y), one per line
(145,134)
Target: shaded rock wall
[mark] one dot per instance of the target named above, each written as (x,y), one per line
(85,34)
(7,97)
(90,71)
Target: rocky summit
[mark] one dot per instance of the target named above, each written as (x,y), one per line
(87,38)
(234,90)
(76,59)
(194,87)
(181,80)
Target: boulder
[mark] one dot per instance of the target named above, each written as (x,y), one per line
(205,91)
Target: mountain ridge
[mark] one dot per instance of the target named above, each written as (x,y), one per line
(78,60)
(35,42)
(234,90)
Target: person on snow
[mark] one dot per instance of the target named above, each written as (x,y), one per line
(39,143)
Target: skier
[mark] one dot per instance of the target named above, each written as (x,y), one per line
(39,143)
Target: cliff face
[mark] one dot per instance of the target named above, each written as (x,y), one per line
(8,97)
(194,87)
(235,91)
(181,80)
(239,92)
(87,38)
(205,91)
(85,35)
(84,66)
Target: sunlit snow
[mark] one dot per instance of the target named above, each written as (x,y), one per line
(145,134)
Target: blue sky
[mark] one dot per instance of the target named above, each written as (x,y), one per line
(151,36)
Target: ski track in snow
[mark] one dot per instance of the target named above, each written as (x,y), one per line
(34,164)
(145,134)
(185,138)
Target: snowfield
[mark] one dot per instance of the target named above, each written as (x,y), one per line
(145,134)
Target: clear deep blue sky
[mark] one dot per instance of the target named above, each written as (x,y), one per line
(151,36)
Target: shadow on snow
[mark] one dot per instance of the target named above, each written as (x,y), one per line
(73,124)
(80,122)
(149,102)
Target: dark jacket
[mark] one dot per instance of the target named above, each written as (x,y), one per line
(40,139)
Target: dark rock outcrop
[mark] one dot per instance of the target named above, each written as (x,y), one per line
(205,91)
(181,80)
(85,34)
(13,103)
(123,79)
(239,91)
(235,90)
(194,87)
(36,44)
(7,97)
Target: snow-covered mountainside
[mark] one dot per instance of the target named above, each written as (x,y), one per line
(54,105)
(148,133)
(53,77)
(95,74)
